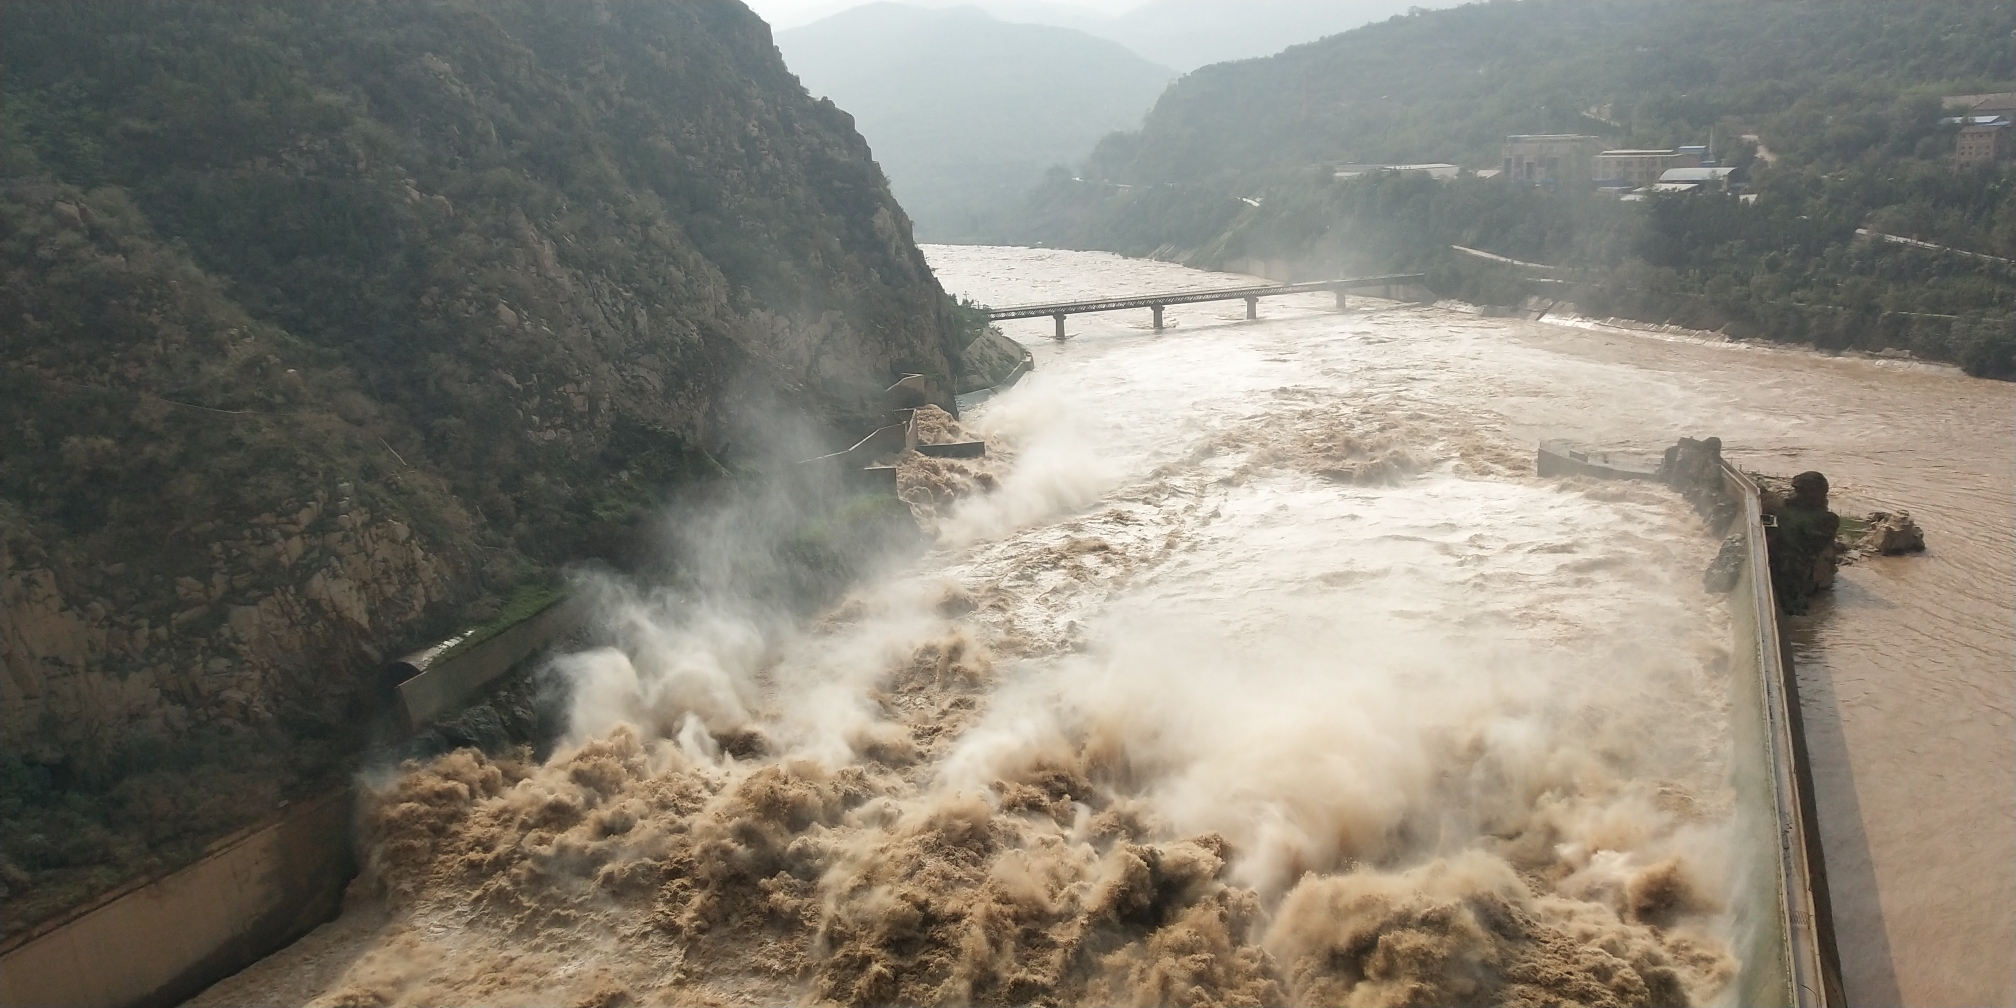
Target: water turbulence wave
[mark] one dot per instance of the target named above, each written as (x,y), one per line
(1240,693)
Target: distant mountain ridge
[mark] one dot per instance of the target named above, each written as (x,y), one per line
(963,111)
(1186,34)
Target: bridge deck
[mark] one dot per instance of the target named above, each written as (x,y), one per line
(1194,296)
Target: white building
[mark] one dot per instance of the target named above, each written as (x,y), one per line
(1436,170)
(1643,167)
(1697,180)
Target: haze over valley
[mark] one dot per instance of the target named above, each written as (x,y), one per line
(965,112)
(1014,502)
(1183,34)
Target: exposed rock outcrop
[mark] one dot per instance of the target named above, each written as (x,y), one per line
(284,599)
(1801,533)
(387,311)
(1889,533)
(1695,469)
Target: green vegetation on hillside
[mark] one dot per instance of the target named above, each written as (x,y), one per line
(331,327)
(1843,96)
(1823,82)
(479,213)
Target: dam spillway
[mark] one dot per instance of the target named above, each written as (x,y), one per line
(1268,618)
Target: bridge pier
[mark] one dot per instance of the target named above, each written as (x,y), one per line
(1060,327)
(1252,307)
(1157,309)
(1340,298)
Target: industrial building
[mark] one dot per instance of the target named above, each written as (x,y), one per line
(1983,140)
(1554,158)
(1436,170)
(1709,179)
(1644,167)
(1984,122)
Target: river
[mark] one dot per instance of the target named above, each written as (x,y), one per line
(1260,668)
(1907,674)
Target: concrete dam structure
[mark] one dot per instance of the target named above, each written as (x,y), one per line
(1271,617)
(257,890)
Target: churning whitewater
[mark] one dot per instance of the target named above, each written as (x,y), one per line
(1254,666)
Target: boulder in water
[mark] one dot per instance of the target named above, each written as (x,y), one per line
(1891,533)
(1802,542)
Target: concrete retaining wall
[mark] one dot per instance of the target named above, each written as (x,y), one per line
(1783,932)
(978,396)
(160,941)
(451,681)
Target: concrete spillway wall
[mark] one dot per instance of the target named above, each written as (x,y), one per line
(161,940)
(1783,932)
(431,687)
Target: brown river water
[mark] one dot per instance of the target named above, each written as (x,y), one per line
(1254,666)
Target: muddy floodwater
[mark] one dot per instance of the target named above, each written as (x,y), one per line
(1907,675)
(1253,666)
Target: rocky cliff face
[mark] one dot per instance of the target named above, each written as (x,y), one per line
(326,325)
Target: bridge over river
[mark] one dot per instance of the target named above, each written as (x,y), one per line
(1251,295)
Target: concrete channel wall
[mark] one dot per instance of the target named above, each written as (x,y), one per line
(1782,935)
(1022,367)
(162,940)
(442,685)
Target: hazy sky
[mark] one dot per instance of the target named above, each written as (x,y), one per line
(787,13)
(1181,34)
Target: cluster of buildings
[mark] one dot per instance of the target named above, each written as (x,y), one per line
(1987,135)
(1566,159)
(1582,162)
(1437,169)
(1984,128)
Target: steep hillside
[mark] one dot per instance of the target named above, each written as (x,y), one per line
(965,112)
(1230,167)
(1449,85)
(329,326)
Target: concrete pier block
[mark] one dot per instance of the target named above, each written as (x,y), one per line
(1157,309)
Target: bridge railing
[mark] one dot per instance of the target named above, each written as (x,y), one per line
(1156,302)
